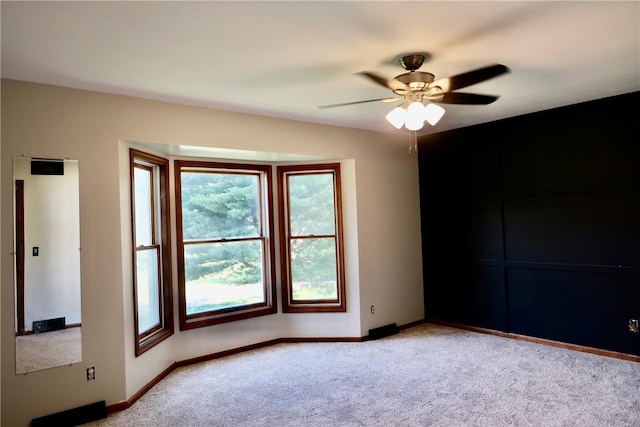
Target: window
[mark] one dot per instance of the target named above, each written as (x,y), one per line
(311,238)
(153,314)
(225,253)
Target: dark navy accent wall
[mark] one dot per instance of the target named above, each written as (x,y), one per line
(531,225)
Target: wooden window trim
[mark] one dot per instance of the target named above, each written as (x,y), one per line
(151,338)
(214,317)
(312,306)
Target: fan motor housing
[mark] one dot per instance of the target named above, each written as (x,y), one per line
(412,62)
(416,80)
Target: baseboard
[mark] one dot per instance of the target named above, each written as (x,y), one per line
(120,406)
(544,341)
(412,324)
(67,326)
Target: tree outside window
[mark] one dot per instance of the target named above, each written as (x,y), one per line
(224,246)
(311,238)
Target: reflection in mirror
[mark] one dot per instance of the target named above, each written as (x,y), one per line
(47,264)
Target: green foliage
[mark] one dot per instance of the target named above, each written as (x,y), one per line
(216,205)
(230,262)
(313,267)
(221,205)
(312,213)
(311,204)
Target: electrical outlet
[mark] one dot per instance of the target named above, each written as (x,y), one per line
(91,373)
(633,325)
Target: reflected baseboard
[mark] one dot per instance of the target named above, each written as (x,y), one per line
(70,325)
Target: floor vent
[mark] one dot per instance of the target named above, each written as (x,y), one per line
(73,417)
(48,325)
(383,331)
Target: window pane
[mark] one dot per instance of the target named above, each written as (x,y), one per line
(142,179)
(311,204)
(152,303)
(216,205)
(313,269)
(223,275)
(147,289)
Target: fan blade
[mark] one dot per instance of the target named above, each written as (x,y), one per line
(459,81)
(392,84)
(466,98)
(361,102)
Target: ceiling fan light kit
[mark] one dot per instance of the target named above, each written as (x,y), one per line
(396,117)
(415,87)
(414,115)
(433,113)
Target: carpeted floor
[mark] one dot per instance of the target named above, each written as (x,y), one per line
(48,349)
(427,375)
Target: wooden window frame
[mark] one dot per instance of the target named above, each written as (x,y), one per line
(269,306)
(161,243)
(309,306)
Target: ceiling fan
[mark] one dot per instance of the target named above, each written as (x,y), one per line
(414,87)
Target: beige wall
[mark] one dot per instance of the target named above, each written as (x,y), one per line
(382,232)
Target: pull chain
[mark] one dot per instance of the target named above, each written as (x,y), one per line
(413,142)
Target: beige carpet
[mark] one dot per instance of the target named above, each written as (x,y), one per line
(49,349)
(427,375)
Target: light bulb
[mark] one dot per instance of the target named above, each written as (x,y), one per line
(396,117)
(433,113)
(415,116)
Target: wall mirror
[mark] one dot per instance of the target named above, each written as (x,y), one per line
(48,325)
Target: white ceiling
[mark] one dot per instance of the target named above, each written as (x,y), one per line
(284,59)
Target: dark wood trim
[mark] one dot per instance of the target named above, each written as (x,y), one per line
(336,339)
(270,305)
(543,341)
(226,353)
(165,329)
(121,406)
(288,305)
(575,347)
(412,324)
(20,256)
